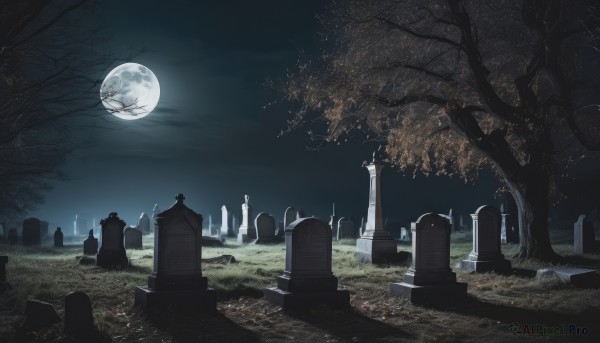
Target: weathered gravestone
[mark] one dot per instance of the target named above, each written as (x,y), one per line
(376,245)
(247,230)
(13,237)
(58,238)
(133,238)
(79,319)
(177,280)
(31,232)
(90,245)
(143,223)
(289,216)
(584,239)
(346,228)
(486,255)
(112,252)
(308,279)
(265,228)
(224,222)
(430,279)
(38,315)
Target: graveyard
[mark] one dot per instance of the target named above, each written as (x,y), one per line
(494,303)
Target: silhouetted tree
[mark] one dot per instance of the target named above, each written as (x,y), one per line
(454,86)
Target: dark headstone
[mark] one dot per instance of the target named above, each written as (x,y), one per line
(430,279)
(112,252)
(31,232)
(79,320)
(90,245)
(584,239)
(308,279)
(58,238)
(346,228)
(265,228)
(13,237)
(38,314)
(289,216)
(143,224)
(133,238)
(177,280)
(486,255)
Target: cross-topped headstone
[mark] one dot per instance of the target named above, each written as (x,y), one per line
(90,245)
(112,252)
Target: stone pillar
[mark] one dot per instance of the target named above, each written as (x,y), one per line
(375,245)
(247,231)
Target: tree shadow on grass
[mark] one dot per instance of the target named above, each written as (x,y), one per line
(201,327)
(511,314)
(347,324)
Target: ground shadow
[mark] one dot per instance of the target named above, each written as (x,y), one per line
(347,324)
(202,327)
(528,273)
(510,314)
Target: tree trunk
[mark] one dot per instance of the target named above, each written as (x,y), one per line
(530,191)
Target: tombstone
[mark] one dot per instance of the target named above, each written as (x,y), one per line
(346,229)
(289,216)
(176,280)
(79,319)
(133,238)
(430,279)
(43,229)
(247,231)
(31,232)
(333,222)
(58,238)
(307,279)
(405,235)
(376,245)
(38,315)
(143,224)
(112,252)
(265,228)
(13,237)
(584,239)
(486,255)
(235,228)
(90,245)
(224,221)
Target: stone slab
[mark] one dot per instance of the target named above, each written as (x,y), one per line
(376,250)
(432,294)
(498,266)
(576,276)
(198,300)
(339,298)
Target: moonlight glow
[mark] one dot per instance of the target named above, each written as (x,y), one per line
(130,91)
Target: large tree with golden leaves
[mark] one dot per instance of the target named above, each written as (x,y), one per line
(454,86)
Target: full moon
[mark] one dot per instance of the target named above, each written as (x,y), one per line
(130,91)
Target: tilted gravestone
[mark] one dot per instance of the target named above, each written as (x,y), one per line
(13,237)
(430,279)
(58,238)
(143,223)
(133,238)
(176,280)
(265,228)
(31,232)
(308,279)
(112,252)
(346,228)
(38,315)
(79,319)
(486,255)
(90,245)
(584,239)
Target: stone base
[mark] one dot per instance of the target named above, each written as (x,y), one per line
(197,300)
(432,294)
(173,283)
(498,266)
(112,259)
(312,284)
(339,298)
(243,238)
(370,250)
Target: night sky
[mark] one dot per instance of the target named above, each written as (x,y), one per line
(210,136)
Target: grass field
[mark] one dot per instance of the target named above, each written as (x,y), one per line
(495,301)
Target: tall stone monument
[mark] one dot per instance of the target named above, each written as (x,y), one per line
(247,231)
(486,255)
(430,279)
(308,279)
(176,280)
(375,245)
(224,221)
